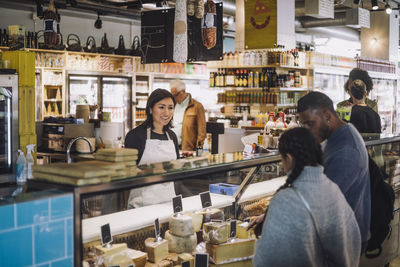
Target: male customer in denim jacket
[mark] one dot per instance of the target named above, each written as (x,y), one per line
(345,155)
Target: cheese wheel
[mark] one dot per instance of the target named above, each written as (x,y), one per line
(197,220)
(179,244)
(138,257)
(181,225)
(216,232)
(157,251)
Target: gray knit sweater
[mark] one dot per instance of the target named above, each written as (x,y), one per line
(289,237)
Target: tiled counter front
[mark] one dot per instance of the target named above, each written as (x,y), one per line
(37,232)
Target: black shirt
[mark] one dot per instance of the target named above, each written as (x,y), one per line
(136,138)
(365,119)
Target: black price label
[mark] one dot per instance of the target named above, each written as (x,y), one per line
(106,234)
(205,199)
(177,204)
(157,228)
(201,260)
(186,264)
(233,229)
(234,211)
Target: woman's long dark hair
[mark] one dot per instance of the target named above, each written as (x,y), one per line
(304,148)
(156,96)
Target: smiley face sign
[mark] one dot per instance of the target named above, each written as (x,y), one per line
(260,8)
(260,23)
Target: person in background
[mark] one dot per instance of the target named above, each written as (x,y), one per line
(156,142)
(364,118)
(189,118)
(344,107)
(345,155)
(308,222)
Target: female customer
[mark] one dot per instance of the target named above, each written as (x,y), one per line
(309,222)
(364,118)
(344,107)
(156,142)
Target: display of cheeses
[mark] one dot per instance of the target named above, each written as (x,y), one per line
(156,250)
(181,225)
(180,244)
(120,254)
(216,232)
(238,248)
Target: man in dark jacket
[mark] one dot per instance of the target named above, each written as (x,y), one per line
(344,153)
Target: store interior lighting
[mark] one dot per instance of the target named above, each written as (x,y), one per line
(98,23)
(388,8)
(356,2)
(374,4)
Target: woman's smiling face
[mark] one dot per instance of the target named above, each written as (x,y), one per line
(163,111)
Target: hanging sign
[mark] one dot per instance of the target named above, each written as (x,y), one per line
(260,23)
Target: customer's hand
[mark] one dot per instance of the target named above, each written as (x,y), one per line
(256,221)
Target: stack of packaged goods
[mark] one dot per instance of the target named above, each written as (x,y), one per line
(124,158)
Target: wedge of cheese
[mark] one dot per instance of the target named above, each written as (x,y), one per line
(139,258)
(180,244)
(181,225)
(114,249)
(216,232)
(157,251)
(242,233)
(186,257)
(245,263)
(240,248)
(163,263)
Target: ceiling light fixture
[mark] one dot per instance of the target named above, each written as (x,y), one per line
(356,2)
(374,4)
(98,23)
(388,8)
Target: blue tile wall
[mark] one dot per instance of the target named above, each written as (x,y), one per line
(14,250)
(37,233)
(33,212)
(7,217)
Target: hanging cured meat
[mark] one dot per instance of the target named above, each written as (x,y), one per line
(209,25)
(180,32)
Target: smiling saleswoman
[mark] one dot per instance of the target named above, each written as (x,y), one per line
(156,142)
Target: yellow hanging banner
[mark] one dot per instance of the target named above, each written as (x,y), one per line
(261,25)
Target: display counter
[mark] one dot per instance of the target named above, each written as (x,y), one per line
(256,177)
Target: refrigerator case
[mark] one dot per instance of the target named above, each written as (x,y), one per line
(112,94)
(8,127)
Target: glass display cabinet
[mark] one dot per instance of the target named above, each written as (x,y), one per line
(236,183)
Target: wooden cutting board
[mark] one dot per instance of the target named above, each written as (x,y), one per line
(118,152)
(116,158)
(76,170)
(70,180)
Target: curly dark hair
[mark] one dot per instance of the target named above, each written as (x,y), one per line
(304,148)
(357,89)
(156,96)
(359,74)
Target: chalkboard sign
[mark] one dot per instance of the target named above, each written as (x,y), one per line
(157,35)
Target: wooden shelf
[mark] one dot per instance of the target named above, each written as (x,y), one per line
(259,67)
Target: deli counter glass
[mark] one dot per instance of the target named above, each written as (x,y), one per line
(240,186)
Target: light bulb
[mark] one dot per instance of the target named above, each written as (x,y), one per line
(374,4)
(388,9)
